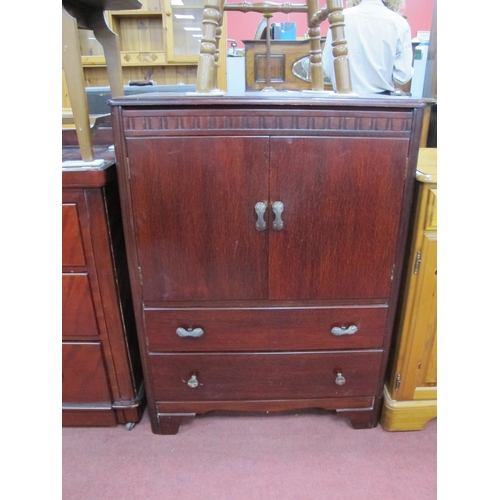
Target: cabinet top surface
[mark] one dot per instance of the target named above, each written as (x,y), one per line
(277,98)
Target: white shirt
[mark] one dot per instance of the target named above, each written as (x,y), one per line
(378,47)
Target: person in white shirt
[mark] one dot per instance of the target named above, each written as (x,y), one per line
(378,46)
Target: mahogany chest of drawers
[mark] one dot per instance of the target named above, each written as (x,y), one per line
(102,382)
(265,238)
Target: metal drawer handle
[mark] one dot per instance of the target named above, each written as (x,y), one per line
(190,332)
(260,210)
(343,330)
(193,382)
(278,208)
(340,380)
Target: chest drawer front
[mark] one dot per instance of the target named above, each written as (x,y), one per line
(73,253)
(84,375)
(225,330)
(265,376)
(78,314)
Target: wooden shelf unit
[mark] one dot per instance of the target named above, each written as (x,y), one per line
(153,45)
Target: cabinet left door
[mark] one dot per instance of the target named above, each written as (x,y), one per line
(195,219)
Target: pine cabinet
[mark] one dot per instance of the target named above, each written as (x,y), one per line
(410,394)
(159,41)
(265,241)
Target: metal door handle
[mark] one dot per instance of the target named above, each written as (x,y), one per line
(260,210)
(343,330)
(278,208)
(190,332)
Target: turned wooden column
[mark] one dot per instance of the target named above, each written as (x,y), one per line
(339,46)
(315,52)
(206,76)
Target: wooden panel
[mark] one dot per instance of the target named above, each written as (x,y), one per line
(73,253)
(84,375)
(277,68)
(264,376)
(141,33)
(78,314)
(431,215)
(347,193)
(424,361)
(264,329)
(193,200)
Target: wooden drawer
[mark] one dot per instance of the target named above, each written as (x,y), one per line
(78,314)
(264,329)
(264,376)
(84,375)
(73,253)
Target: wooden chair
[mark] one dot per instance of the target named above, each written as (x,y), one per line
(213,16)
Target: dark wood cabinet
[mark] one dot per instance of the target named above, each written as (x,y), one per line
(265,239)
(102,381)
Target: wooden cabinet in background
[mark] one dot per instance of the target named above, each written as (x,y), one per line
(265,239)
(410,394)
(159,42)
(102,381)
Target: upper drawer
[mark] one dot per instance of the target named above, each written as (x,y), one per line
(73,253)
(284,329)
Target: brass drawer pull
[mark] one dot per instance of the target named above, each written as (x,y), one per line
(190,332)
(340,380)
(343,330)
(278,208)
(260,210)
(193,382)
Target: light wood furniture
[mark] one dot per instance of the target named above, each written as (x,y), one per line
(154,44)
(265,239)
(88,14)
(410,394)
(102,382)
(283,55)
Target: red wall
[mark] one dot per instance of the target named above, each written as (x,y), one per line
(242,26)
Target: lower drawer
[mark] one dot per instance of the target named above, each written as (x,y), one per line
(83,373)
(294,375)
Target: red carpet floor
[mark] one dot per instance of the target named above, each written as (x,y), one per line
(295,457)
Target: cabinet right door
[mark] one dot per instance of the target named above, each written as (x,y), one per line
(341,212)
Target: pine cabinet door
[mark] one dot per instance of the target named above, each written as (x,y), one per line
(341,211)
(194,216)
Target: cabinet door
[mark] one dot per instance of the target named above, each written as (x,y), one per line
(342,200)
(195,221)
